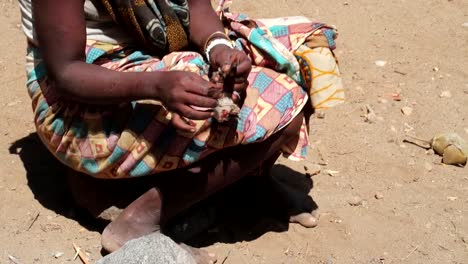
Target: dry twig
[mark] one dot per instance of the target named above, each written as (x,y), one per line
(80,254)
(227,256)
(33,221)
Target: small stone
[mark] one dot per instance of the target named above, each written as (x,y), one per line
(336,220)
(378,196)
(406,110)
(320,115)
(312,170)
(430,152)
(428,166)
(435,69)
(380,63)
(355,201)
(331,173)
(452,198)
(466,130)
(14,103)
(382,100)
(445,94)
(465,25)
(393,129)
(58,254)
(369,115)
(396,96)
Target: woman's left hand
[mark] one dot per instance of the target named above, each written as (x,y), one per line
(226,57)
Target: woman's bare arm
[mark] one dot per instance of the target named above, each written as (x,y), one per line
(203,21)
(61,30)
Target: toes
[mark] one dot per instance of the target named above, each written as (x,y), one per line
(109,241)
(305,219)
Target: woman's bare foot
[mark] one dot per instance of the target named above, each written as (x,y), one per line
(302,209)
(305,219)
(140,218)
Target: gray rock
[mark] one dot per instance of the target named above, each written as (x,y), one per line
(155,248)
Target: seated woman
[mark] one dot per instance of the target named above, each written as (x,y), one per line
(124,89)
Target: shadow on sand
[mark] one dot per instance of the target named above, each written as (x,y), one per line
(242,212)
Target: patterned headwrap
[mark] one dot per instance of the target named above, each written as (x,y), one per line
(160,25)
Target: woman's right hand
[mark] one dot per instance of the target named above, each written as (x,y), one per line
(185,94)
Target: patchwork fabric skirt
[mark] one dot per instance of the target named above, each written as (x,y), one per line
(293,61)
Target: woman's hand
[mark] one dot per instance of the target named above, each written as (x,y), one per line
(188,96)
(226,57)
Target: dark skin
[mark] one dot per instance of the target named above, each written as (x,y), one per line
(62,38)
(61,31)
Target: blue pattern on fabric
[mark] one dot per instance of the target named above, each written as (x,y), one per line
(259,134)
(330,34)
(58,126)
(94,54)
(90,165)
(262,81)
(193,151)
(116,155)
(140,169)
(260,40)
(41,110)
(243,115)
(38,73)
(279,31)
(285,102)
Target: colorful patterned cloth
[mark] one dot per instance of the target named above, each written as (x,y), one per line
(158,25)
(137,139)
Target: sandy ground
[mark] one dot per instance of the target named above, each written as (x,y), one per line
(421,215)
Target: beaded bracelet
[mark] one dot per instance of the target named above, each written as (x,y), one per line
(216,42)
(220,34)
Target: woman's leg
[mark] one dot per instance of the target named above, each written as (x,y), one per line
(173,192)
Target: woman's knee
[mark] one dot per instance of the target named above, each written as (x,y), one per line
(292,130)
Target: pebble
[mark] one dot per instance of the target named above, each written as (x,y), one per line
(382,100)
(465,25)
(452,198)
(378,196)
(58,254)
(355,201)
(336,220)
(436,69)
(406,110)
(466,130)
(14,259)
(430,152)
(320,115)
(428,166)
(380,63)
(312,170)
(331,173)
(445,94)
